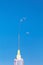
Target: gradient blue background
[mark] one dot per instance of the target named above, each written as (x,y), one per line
(11,11)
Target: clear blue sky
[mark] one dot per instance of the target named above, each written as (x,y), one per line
(11,11)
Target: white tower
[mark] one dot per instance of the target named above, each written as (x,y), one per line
(19,60)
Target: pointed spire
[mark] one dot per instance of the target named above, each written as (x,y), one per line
(18,55)
(18,52)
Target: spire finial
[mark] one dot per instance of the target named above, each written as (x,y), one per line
(19,41)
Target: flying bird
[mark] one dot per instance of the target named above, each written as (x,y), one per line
(27,33)
(23,19)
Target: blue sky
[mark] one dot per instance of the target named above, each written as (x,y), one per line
(11,11)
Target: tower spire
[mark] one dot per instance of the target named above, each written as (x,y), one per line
(19,41)
(19,60)
(18,52)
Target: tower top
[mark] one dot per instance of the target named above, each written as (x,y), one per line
(18,54)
